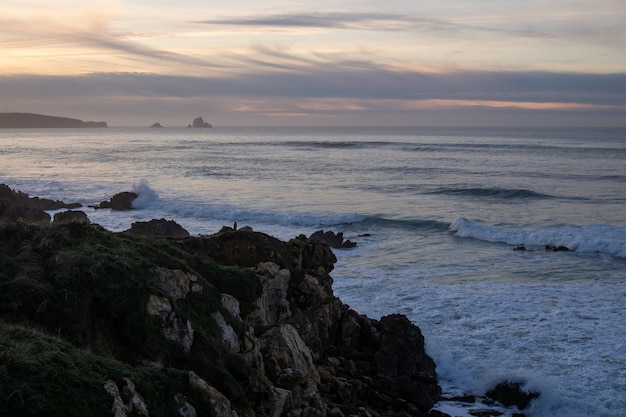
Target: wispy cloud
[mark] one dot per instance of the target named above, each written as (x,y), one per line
(368,21)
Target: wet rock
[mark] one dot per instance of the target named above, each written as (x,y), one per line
(555,248)
(510,393)
(120,201)
(16,205)
(334,240)
(487,412)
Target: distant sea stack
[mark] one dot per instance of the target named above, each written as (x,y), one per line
(199,122)
(31,120)
(157,125)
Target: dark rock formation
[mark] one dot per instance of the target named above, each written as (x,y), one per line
(15,205)
(160,227)
(510,393)
(31,120)
(199,122)
(71,216)
(120,201)
(555,248)
(237,323)
(156,125)
(334,240)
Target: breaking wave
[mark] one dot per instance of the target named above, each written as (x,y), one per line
(595,238)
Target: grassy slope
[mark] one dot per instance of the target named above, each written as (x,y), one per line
(73,314)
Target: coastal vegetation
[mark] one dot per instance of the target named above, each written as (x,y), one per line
(233,324)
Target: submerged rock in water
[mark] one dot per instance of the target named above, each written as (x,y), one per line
(555,248)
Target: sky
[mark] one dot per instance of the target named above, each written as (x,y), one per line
(296,63)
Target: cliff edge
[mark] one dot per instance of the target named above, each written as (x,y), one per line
(235,324)
(32,120)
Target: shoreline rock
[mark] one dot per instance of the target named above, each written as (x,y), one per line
(237,323)
(38,121)
(120,201)
(19,206)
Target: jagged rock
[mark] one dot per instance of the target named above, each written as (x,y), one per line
(120,201)
(173,328)
(220,403)
(555,248)
(183,407)
(176,283)
(199,122)
(289,365)
(229,336)
(118,409)
(16,205)
(511,393)
(136,405)
(156,125)
(71,216)
(302,352)
(335,240)
(158,227)
(132,403)
(231,304)
(273,305)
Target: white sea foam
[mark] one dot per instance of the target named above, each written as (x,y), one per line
(605,239)
(146,196)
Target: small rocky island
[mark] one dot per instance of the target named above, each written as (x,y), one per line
(199,122)
(32,120)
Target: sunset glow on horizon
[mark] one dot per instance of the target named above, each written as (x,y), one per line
(136,61)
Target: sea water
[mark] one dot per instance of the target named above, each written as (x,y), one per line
(437,214)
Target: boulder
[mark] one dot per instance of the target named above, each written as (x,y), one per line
(158,227)
(120,201)
(334,240)
(71,216)
(510,393)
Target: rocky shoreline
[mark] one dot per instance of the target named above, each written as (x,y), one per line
(233,324)
(41,121)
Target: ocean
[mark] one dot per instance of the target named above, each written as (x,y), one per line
(437,214)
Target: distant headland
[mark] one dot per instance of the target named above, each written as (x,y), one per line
(32,120)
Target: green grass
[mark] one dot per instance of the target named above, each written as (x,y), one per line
(43,375)
(76,297)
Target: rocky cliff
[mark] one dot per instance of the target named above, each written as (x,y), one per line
(233,324)
(31,120)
